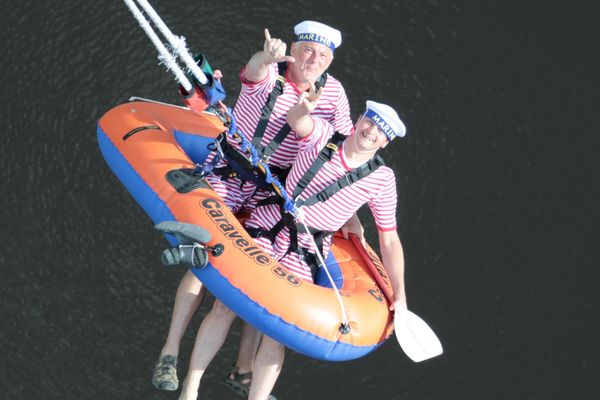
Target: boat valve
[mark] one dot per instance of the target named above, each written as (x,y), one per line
(345,328)
(216,250)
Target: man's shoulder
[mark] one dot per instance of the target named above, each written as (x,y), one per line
(332,82)
(385,174)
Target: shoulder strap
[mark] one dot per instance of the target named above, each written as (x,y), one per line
(265,112)
(326,154)
(285,129)
(268,109)
(321,81)
(347,179)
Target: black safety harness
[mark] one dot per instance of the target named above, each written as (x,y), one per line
(287,219)
(238,165)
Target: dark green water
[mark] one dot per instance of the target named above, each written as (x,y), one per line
(498,195)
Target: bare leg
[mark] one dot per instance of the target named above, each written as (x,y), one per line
(267,366)
(210,338)
(189,296)
(249,342)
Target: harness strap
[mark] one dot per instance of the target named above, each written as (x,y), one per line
(238,165)
(319,236)
(305,254)
(326,154)
(347,179)
(267,110)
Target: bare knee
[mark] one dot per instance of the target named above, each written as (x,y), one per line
(221,310)
(190,284)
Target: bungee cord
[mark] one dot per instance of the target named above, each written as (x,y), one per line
(164,55)
(177,43)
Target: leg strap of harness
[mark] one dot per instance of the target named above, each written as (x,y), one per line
(270,234)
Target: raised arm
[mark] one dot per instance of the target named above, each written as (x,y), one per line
(273,51)
(393,260)
(299,117)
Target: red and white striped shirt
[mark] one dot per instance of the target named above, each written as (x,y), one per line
(378,190)
(332,106)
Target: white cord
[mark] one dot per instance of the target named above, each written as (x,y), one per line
(177,43)
(300,218)
(164,56)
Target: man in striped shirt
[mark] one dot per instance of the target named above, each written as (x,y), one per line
(261,117)
(377,188)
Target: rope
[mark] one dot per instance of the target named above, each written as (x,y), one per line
(345,324)
(164,56)
(246,147)
(177,43)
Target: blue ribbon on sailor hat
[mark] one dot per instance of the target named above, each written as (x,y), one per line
(311,31)
(386,119)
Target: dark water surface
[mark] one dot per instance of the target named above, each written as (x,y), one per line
(498,195)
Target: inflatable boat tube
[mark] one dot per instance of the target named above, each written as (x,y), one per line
(149,145)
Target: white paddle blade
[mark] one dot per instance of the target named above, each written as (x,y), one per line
(416,338)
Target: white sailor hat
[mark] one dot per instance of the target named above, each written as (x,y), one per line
(386,119)
(312,31)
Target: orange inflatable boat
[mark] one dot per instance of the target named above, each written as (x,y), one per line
(149,144)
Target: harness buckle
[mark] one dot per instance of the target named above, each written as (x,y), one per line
(218,141)
(280,78)
(332,146)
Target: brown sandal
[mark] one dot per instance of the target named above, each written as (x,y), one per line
(240,383)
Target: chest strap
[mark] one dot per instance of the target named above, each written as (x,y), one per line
(267,110)
(325,155)
(347,179)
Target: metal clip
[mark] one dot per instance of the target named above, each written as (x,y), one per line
(332,146)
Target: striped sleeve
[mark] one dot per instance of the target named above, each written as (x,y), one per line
(261,87)
(341,119)
(383,206)
(320,134)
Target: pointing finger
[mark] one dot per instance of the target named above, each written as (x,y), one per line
(287,58)
(267,35)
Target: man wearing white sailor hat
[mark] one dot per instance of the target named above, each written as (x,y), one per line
(353,168)
(272,82)
(310,54)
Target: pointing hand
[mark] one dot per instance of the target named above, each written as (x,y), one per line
(274,50)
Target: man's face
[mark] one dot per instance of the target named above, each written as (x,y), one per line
(367,136)
(312,59)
